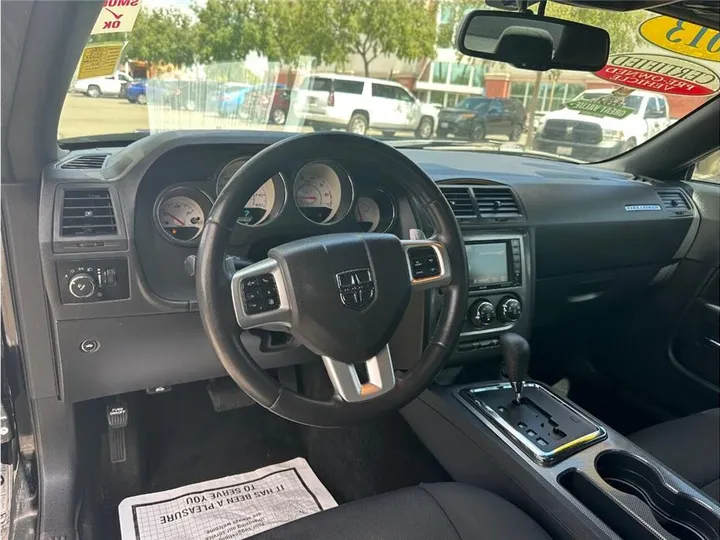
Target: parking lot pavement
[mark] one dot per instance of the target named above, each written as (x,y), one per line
(82,115)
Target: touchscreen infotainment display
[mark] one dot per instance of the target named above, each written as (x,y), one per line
(487,263)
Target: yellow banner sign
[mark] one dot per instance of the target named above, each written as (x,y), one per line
(99,60)
(682,37)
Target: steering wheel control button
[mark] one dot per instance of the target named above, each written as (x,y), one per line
(356,287)
(89,346)
(423,262)
(260,294)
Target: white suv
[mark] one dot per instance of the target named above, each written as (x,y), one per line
(357,103)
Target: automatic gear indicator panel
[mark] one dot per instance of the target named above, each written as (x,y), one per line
(260,294)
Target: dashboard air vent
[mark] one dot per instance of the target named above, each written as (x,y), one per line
(87,212)
(460,201)
(673,199)
(89,161)
(496,203)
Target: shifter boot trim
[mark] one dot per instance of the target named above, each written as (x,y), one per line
(544,426)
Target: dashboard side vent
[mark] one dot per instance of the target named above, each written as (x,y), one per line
(496,203)
(89,161)
(673,199)
(460,201)
(87,212)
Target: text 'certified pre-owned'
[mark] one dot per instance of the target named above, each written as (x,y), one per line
(660,73)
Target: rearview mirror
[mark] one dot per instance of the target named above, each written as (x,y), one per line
(532,42)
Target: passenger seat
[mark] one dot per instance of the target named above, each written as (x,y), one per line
(690,446)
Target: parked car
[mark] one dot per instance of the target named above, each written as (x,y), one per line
(357,103)
(112,85)
(268,103)
(191,95)
(476,117)
(230,98)
(136,92)
(574,133)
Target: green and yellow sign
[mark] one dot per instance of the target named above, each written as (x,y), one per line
(682,37)
(592,107)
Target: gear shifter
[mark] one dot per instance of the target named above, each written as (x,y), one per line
(516,352)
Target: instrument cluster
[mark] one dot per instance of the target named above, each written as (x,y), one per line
(322,191)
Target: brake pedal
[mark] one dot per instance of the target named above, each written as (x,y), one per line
(117,420)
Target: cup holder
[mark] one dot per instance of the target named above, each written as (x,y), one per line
(679,514)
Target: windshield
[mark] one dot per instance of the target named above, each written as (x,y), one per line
(385,68)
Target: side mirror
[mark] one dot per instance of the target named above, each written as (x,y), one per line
(532,42)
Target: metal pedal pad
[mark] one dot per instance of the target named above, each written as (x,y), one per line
(117,419)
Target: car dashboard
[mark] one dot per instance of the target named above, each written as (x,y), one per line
(547,241)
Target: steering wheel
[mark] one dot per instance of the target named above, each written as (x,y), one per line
(340,295)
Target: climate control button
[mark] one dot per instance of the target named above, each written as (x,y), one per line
(482,313)
(509,309)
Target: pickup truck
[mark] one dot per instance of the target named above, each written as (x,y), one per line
(599,124)
(112,85)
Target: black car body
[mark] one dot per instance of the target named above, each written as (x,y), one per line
(477,117)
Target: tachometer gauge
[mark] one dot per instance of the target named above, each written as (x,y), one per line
(260,205)
(367,213)
(181,218)
(321,191)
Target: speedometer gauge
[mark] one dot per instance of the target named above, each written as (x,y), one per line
(321,191)
(181,218)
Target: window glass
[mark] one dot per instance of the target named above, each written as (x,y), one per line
(402,95)
(349,87)
(317,83)
(383,91)
(496,106)
(478,77)
(473,103)
(440,72)
(708,169)
(437,98)
(521,91)
(460,74)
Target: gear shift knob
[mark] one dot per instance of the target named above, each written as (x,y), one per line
(516,352)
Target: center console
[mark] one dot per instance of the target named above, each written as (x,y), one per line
(499,293)
(574,475)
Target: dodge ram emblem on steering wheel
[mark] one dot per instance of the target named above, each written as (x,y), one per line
(356,287)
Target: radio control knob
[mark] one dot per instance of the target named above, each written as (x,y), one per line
(482,313)
(82,285)
(509,309)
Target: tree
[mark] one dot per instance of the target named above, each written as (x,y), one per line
(162,36)
(225,30)
(370,28)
